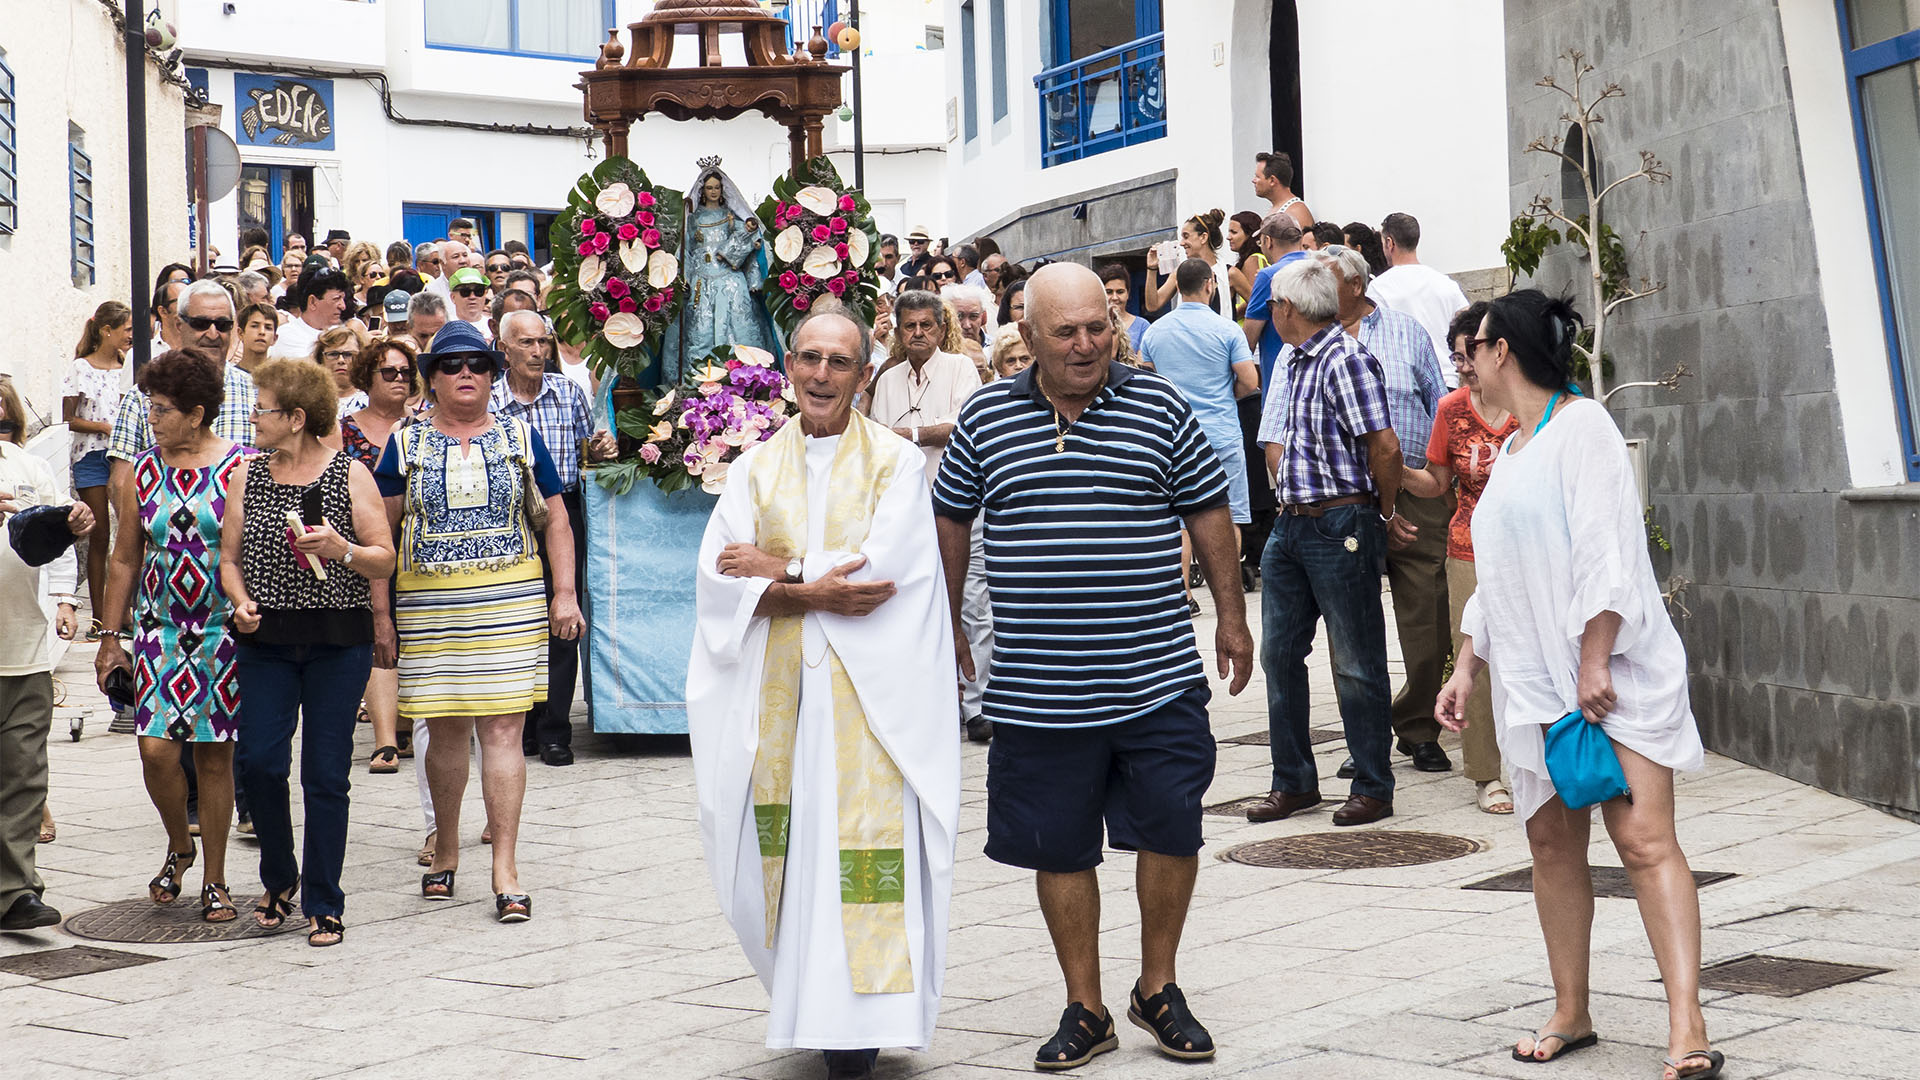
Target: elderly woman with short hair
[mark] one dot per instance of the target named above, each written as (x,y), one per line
(302,610)
(162,595)
(335,350)
(465,488)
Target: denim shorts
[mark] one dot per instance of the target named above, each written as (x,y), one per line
(90,470)
(1049,789)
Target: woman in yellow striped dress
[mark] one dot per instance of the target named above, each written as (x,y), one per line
(469,607)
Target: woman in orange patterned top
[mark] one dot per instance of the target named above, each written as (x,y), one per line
(1467,434)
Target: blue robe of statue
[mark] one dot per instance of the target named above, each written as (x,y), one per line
(722,263)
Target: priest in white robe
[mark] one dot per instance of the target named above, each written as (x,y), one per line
(821,699)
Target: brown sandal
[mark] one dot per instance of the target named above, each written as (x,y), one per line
(384,760)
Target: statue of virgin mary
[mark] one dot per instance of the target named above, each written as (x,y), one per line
(724,262)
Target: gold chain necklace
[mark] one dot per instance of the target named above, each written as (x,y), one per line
(1062,426)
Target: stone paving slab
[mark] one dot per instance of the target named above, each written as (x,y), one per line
(628,971)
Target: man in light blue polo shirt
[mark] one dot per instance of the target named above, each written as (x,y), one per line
(1280,243)
(1207,360)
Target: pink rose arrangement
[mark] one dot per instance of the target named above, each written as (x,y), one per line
(617,282)
(822,242)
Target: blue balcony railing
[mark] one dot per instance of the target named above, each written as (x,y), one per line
(1105,101)
(803,15)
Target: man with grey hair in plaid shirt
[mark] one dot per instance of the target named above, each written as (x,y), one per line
(556,408)
(1336,464)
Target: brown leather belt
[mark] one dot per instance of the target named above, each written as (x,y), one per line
(1319,509)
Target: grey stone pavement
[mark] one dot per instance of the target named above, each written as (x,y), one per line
(628,970)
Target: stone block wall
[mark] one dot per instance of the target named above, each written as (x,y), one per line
(1804,634)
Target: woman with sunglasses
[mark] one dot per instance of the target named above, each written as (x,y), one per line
(470,606)
(1569,619)
(305,641)
(387,374)
(163,596)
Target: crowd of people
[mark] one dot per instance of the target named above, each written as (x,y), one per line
(347,486)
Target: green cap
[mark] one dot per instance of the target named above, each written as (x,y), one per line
(468,275)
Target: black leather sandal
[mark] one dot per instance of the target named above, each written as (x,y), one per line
(1081,1037)
(325,926)
(274,908)
(438,886)
(1174,1029)
(513,907)
(165,889)
(386,759)
(216,903)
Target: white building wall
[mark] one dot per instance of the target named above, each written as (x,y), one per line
(1386,126)
(377,164)
(69,67)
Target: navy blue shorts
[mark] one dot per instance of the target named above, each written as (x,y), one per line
(90,470)
(1050,789)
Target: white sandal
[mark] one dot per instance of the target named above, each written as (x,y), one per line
(1492,794)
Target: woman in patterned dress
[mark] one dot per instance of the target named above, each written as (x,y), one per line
(386,373)
(166,569)
(470,606)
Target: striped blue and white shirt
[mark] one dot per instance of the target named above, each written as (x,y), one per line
(1083,545)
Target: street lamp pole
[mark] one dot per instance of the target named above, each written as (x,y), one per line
(136,43)
(859,115)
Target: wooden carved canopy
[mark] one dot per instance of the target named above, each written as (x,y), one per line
(797,91)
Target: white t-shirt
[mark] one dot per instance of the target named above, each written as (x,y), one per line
(1431,297)
(934,395)
(23,611)
(296,341)
(99,392)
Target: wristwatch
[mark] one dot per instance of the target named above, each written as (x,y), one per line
(347,559)
(795,570)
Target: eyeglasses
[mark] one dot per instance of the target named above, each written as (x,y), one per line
(499,268)
(155,409)
(943,275)
(478,363)
(1459,357)
(809,358)
(470,291)
(202,323)
(1474,343)
(338,354)
(393,374)
(259,412)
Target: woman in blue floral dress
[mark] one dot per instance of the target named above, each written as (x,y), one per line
(166,572)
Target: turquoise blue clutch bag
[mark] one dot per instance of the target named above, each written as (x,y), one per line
(1581,761)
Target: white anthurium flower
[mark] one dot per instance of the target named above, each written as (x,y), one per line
(633,256)
(858,248)
(713,479)
(752,357)
(624,330)
(614,200)
(822,263)
(788,244)
(818,200)
(593,270)
(662,268)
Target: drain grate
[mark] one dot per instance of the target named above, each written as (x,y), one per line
(147,923)
(1781,976)
(74,960)
(1352,850)
(1263,738)
(1608,881)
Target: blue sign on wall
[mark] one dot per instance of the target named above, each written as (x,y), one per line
(277,111)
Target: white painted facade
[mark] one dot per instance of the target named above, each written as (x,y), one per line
(1395,94)
(377,164)
(69,73)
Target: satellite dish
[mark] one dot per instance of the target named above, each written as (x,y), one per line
(223,160)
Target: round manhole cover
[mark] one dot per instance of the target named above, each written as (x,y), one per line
(1352,850)
(178,923)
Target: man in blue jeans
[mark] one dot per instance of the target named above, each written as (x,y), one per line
(1336,462)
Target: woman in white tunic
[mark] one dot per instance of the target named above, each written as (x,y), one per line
(1568,615)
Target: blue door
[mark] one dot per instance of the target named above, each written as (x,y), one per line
(420,224)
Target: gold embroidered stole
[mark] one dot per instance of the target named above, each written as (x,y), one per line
(872,826)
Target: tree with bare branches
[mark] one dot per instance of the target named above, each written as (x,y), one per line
(1544,224)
